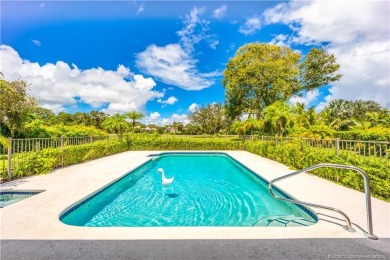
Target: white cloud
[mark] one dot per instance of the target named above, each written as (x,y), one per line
(307,98)
(59,85)
(36,42)
(193,107)
(141,8)
(183,118)
(173,66)
(213,44)
(170,101)
(154,116)
(280,40)
(356,32)
(220,12)
(251,26)
(232,47)
(196,30)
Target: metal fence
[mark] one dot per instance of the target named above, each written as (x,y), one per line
(16,151)
(363,150)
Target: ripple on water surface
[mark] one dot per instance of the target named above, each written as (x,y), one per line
(207,191)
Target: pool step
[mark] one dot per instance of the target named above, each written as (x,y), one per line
(283,221)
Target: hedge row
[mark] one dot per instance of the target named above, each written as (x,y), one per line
(295,154)
(46,160)
(372,134)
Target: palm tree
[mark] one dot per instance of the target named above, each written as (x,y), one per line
(340,123)
(312,116)
(362,107)
(340,114)
(279,116)
(360,124)
(134,115)
(237,128)
(301,116)
(252,124)
(116,124)
(304,117)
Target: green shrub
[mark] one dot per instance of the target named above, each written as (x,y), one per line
(295,153)
(378,133)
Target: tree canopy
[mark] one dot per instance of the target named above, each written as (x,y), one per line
(211,118)
(260,74)
(15,105)
(116,123)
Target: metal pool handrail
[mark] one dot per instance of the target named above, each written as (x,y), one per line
(348,227)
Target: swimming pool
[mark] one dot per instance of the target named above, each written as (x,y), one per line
(209,189)
(13,196)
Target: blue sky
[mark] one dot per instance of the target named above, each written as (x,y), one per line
(164,58)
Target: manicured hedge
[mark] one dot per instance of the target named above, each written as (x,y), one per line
(296,154)
(45,160)
(372,134)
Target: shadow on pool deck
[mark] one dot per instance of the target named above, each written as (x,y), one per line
(197,249)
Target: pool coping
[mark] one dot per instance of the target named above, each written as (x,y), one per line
(65,187)
(84,200)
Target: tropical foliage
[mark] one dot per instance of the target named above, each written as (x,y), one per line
(259,80)
(261,74)
(15,106)
(299,155)
(295,153)
(285,119)
(211,118)
(116,124)
(134,115)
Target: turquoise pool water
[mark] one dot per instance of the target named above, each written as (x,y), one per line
(208,190)
(11,197)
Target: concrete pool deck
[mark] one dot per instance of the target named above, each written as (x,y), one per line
(37,218)
(31,229)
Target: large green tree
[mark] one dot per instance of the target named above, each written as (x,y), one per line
(15,105)
(343,114)
(64,118)
(97,118)
(43,114)
(260,74)
(210,118)
(362,107)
